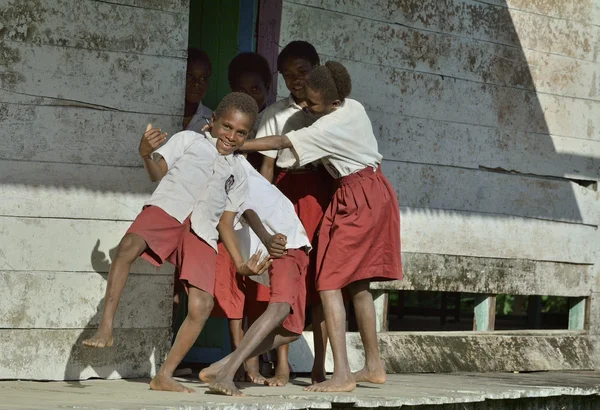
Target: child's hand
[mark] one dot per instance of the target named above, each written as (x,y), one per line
(276,245)
(254,266)
(151,140)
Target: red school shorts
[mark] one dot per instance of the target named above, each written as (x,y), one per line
(175,242)
(229,287)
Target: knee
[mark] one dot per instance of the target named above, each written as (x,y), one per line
(130,247)
(359,288)
(200,304)
(280,310)
(294,337)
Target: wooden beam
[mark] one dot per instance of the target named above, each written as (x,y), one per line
(269,24)
(485,313)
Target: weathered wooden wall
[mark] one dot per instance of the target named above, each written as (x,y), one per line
(488,117)
(79,80)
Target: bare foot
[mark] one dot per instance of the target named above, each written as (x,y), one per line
(279,380)
(254,376)
(333,385)
(226,387)
(377,376)
(102,338)
(167,383)
(209,373)
(317,375)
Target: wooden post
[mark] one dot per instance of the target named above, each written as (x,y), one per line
(381,298)
(577,313)
(485,313)
(269,24)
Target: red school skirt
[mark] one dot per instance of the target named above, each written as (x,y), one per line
(360,234)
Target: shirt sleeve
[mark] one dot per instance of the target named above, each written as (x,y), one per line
(266,128)
(174,148)
(313,143)
(238,193)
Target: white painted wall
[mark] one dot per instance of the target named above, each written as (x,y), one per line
(78,83)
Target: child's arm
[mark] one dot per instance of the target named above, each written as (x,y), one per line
(274,142)
(275,244)
(151,140)
(267,168)
(252,267)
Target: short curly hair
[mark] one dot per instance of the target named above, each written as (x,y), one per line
(195,55)
(239,102)
(298,49)
(332,80)
(249,63)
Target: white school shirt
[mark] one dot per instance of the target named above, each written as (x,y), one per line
(198,120)
(275,211)
(278,119)
(199,181)
(343,141)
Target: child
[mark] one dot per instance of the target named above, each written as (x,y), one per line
(199,70)
(308,187)
(199,180)
(359,239)
(283,320)
(235,298)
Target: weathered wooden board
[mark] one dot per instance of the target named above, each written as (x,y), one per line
(76,135)
(440,352)
(55,245)
(403,138)
(395,91)
(94,25)
(450,188)
(57,354)
(487,22)
(370,41)
(494,236)
(113,80)
(78,300)
(449,273)
(174,6)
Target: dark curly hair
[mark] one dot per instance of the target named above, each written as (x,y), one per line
(195,55)
(332,80)
(249,63)
(298,49)
(239,102)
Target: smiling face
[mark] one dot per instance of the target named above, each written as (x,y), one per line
(295,72)
(252,84)
(230,130)
(196,82)
(317,104)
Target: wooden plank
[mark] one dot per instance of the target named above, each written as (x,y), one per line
(269,30)
(57,354)
(452,273)
(113,80)
(445,99)
(55,245)
(403,138)
(77,135)
(440,352)
(585,11)
(487,22)
(381,298)
(95,25)
(451,188)
(173,6)
(77,300)
(577,313)
(485,313)
(366,40)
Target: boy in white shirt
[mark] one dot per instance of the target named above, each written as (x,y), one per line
(197,77)
(272,216)
(199,180)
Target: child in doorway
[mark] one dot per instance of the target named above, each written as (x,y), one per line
(197,76)
(359,239)
(283,320)
(200,179)
(308,186)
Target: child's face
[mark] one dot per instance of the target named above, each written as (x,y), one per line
(230,130)
(196,83)
(295,72)
(252,84)
(317,104)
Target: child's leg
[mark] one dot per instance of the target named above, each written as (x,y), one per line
(200,304)
(317,375)
(130,247)
(364,309)
(282,370)
(262,336)
(335,319)
(236,333)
